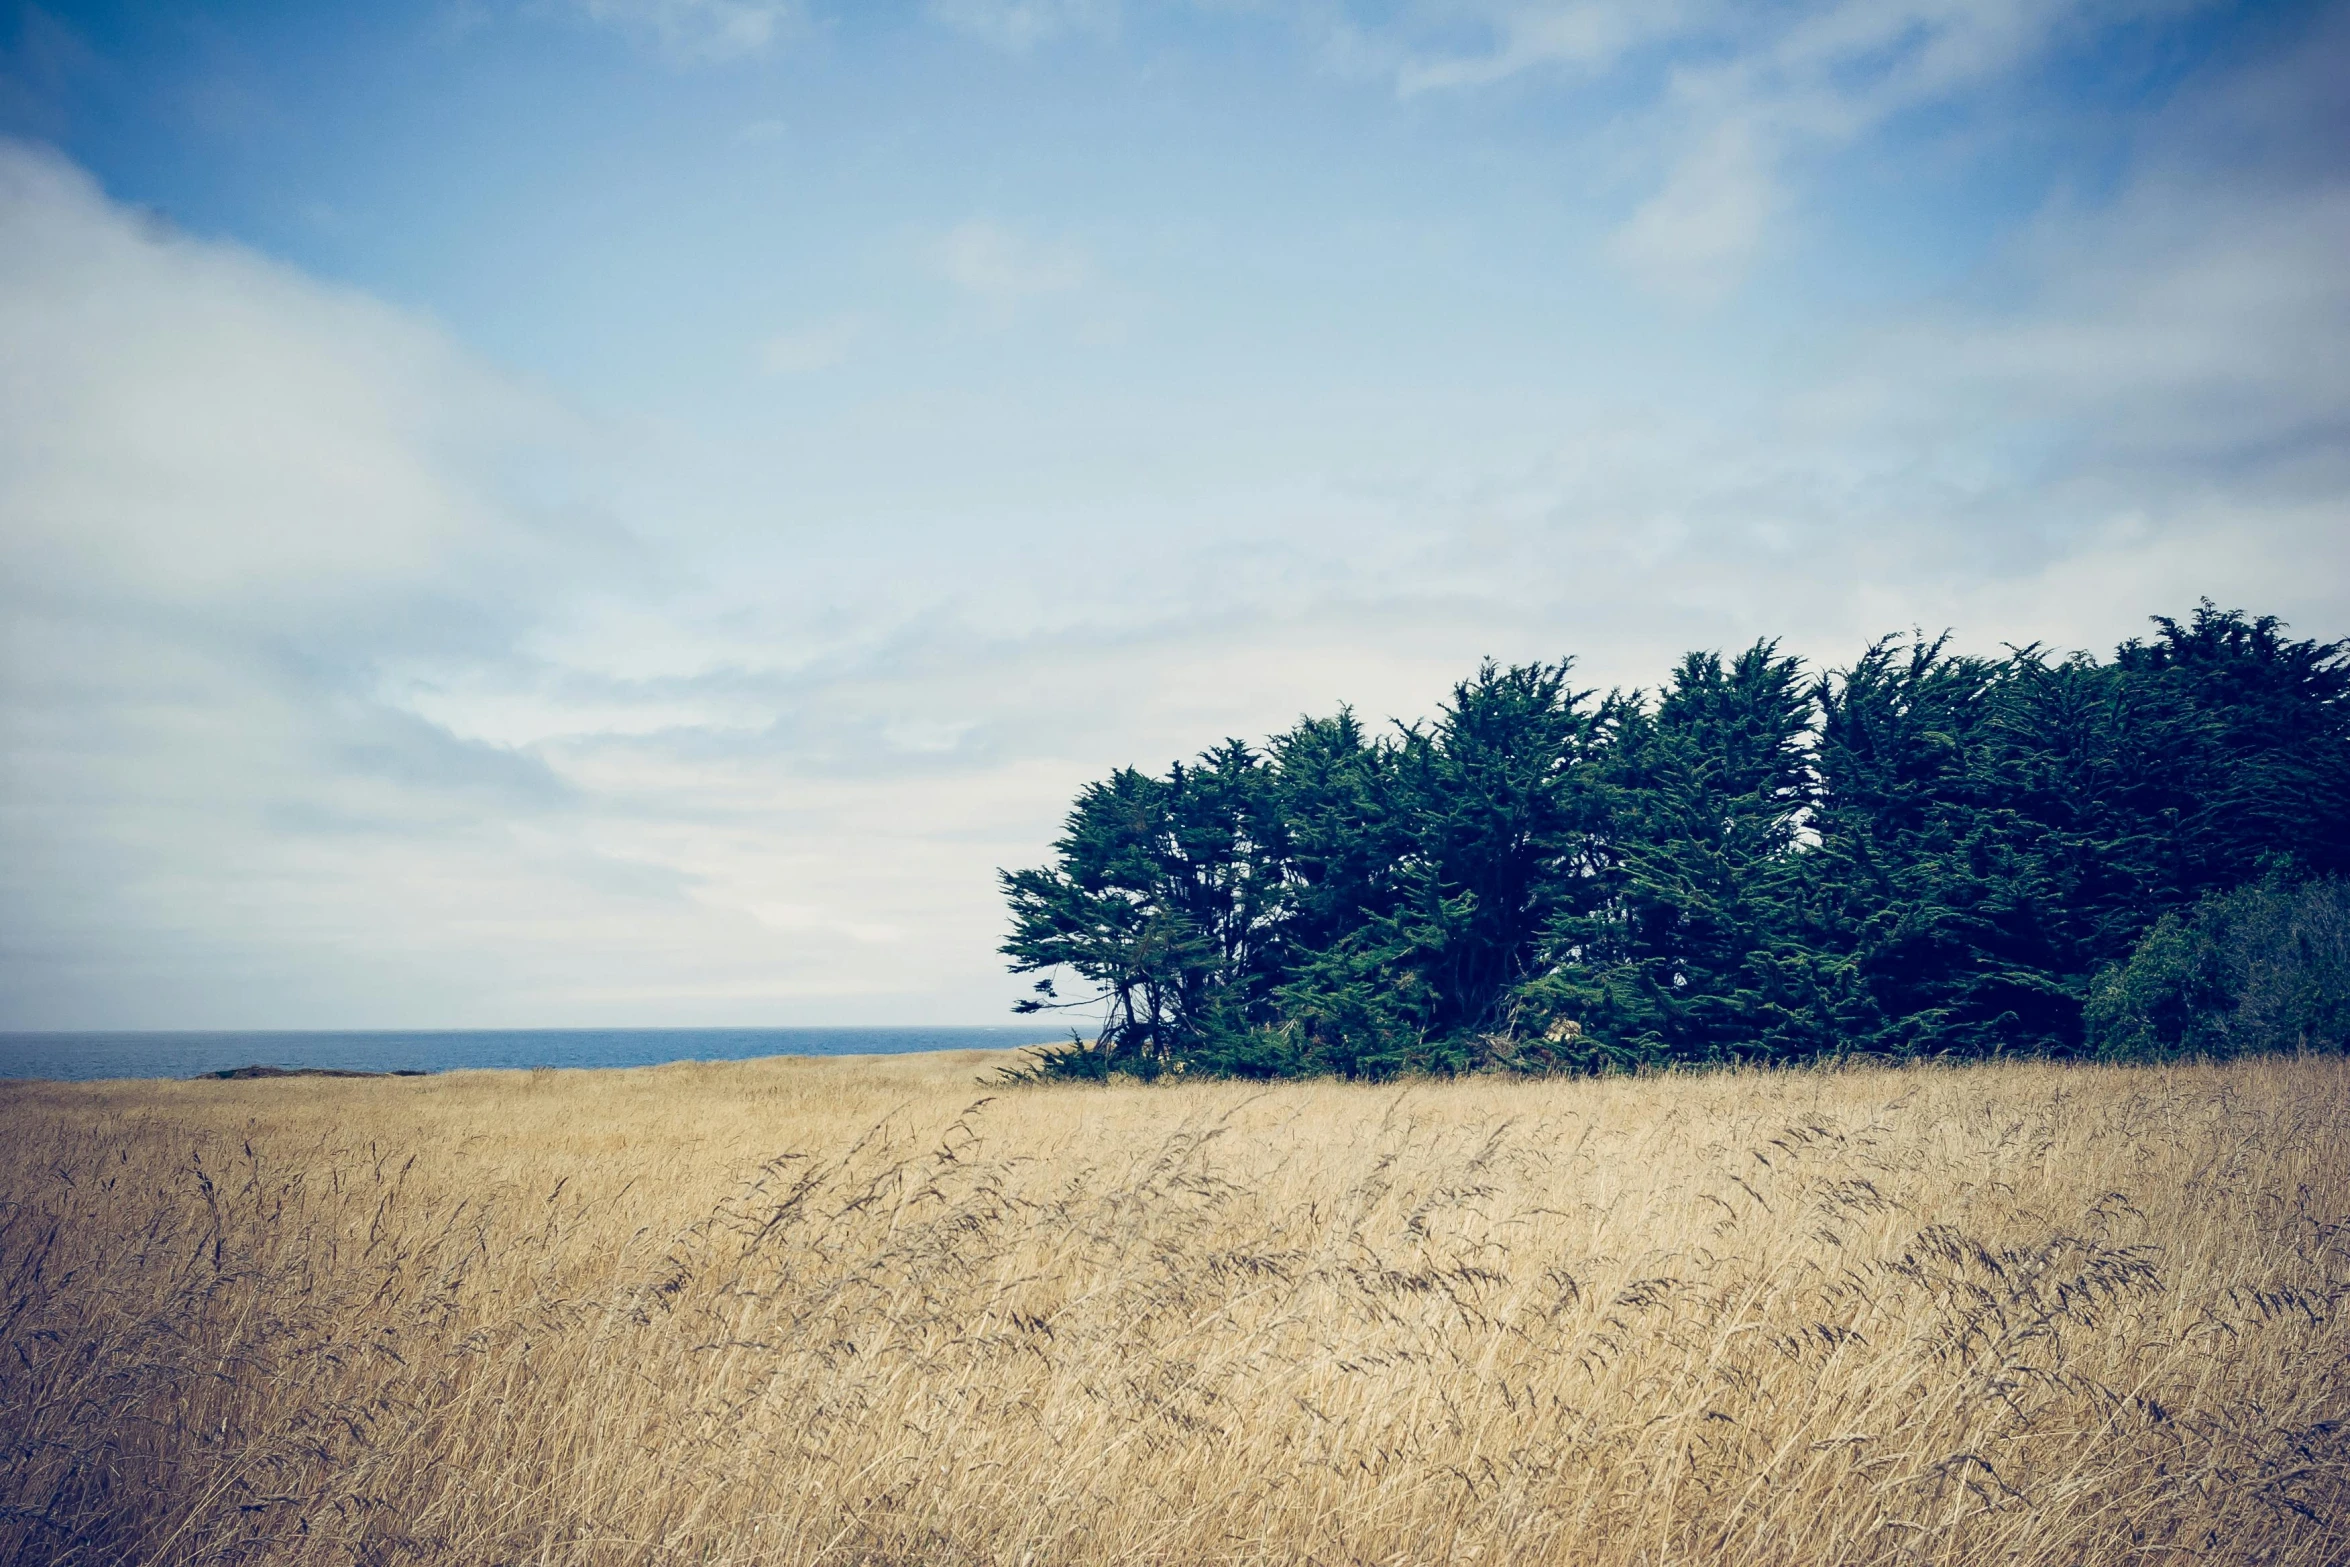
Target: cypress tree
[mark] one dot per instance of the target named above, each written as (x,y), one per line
(1922,853)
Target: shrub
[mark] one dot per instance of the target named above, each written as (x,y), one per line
(2263,968)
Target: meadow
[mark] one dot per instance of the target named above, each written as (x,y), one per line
(875,1311)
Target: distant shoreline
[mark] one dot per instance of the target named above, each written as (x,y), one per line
(247,1073)
(212,1054)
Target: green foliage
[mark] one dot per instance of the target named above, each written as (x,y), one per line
(1919,854)
(2263,968)
(1675,951)
(1480,823)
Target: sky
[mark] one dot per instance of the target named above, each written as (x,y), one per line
(631,512)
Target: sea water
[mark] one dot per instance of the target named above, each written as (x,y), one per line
(94,1055)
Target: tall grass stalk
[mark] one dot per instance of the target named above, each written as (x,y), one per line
(863,1312)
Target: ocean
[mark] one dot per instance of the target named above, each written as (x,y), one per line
(82,1056)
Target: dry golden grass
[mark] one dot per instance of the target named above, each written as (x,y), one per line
(848,1312)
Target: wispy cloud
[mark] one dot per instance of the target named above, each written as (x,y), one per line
(2195,323)
(699,31)
(1004,268)
(820,345)
(1747,93)
(1694,238)
(233,496)
(348,681)
(1018,26)
(1583,38)
(325,694)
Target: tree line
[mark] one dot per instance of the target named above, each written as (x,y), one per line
(1924,853)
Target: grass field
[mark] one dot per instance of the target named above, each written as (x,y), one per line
(867,1311)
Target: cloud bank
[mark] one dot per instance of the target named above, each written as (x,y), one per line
(350,680)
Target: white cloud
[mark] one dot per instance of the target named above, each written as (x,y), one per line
(1004,268)
(259,539)
(1749,91)
(2167,334)
(155,381)
(1585,37)
(331,696)
(1018,26)
(2195,323)
(1830,74)
(817,346)
(699,31)
(1692,239)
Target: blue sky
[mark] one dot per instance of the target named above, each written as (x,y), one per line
(628,511)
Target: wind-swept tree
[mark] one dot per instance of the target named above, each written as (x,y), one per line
(1922,853)
(1483,821)
(1166,900)
(1684,952)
